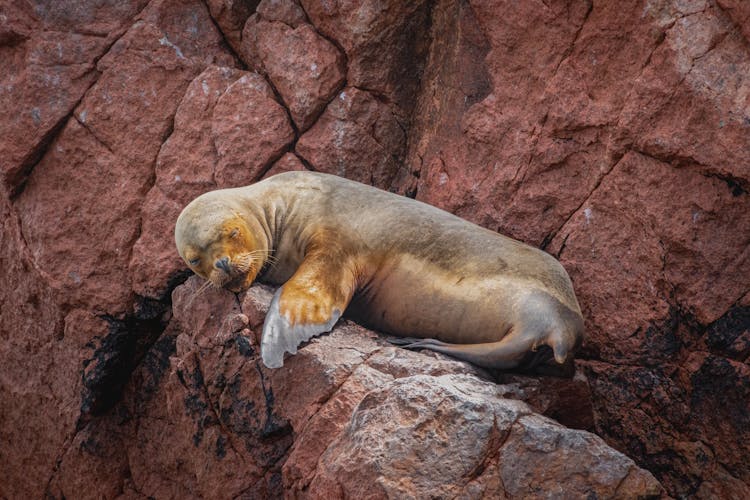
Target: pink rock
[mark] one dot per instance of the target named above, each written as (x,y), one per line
(231,16)
(356,137)
(250,131)
(385,44)
(285,11)
(305,68)
(46,73)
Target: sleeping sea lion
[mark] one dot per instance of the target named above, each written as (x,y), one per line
(392,263)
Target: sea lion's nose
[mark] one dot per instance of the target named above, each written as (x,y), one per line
(223,264)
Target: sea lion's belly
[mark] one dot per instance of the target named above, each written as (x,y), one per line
(410,297)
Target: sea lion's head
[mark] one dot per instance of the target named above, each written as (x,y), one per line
(217,243)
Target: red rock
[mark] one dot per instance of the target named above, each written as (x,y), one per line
(71,235)
(30,363)
(643,407)
(304,67)
(184,169)
(250,131)
(739,12)
(230,16)
(576,103)
(285,11)
(668,234)
(391,432)
(106,138)
(220,408)
(249,45)
(356,137)
(384,42)
(686,104)
(46,73)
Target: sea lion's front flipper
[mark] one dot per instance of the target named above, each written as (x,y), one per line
(309,303)
(280,336)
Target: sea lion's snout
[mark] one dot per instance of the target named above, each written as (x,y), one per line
(223,264)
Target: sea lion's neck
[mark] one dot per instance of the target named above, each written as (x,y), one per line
(275,220)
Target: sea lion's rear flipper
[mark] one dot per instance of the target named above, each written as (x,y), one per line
(280,336)
(310,302)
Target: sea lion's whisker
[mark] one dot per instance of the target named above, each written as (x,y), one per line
(198,292)
(268,253)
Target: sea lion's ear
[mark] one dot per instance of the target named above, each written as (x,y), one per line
(280,336)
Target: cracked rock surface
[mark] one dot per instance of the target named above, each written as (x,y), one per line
(349,416)
(614,135)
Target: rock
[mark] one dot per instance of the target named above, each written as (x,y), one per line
(230,16)
(249,45)
(510,119)
(304,67)
(49,58)
(363,400)
(384,42)
(682,234)
(356,137)
(106,86)
(639,405)
(250,131)
(285,11)
(481,444)
(105,138)
(739,12)
(31,362)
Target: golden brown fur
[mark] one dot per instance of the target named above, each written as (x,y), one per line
(407,268)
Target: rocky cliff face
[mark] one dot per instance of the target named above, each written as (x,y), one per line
(615,135)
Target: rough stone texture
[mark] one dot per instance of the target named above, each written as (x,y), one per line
(230,16)
(112,149)
(356,137)
(286,11)
(49,61)
(68,310)
(615,135)
(304,67)
(384,43)
(206,419)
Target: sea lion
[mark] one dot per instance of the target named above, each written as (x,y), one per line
(394,264)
